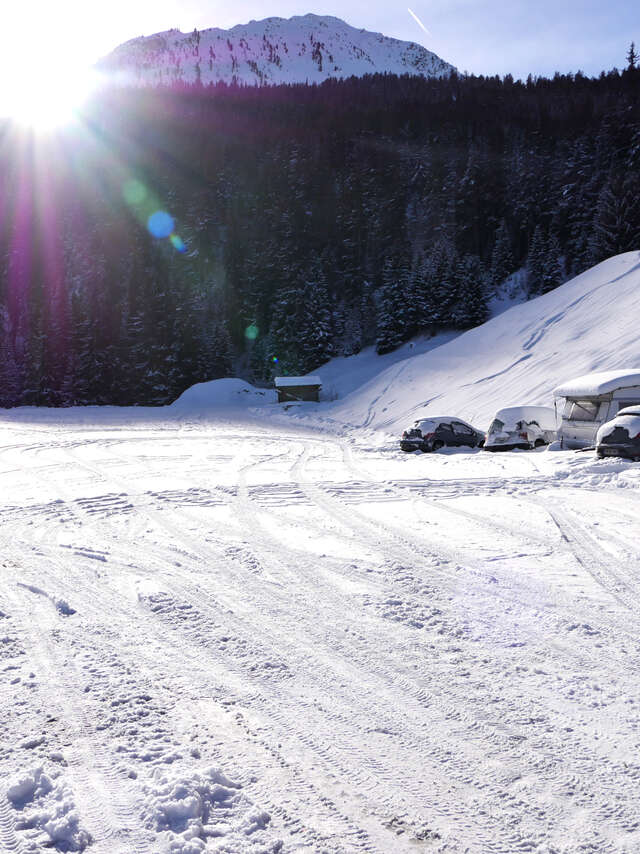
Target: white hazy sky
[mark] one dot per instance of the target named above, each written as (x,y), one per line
(480,36)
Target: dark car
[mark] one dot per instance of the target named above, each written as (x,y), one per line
(430,434)
(620,437)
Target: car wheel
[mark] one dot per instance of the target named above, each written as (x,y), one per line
(437,445)
(539,443)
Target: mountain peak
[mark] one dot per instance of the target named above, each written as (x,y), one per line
(303,49)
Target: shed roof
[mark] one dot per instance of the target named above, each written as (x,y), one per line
(286,382)
(600,382)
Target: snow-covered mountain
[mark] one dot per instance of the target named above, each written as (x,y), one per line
(308,48)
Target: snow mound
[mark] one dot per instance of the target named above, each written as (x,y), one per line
(207,812)
(46,811)
(227,393)
(588,324)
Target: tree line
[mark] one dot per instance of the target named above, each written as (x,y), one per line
(176,235)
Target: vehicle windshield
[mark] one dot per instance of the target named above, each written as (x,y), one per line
(584,410)
(497,426)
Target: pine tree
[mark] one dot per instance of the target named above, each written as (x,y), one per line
(536,261)
(391,325)
(502,264)
(553,272)
(471,302)
(616,225)
(632,56)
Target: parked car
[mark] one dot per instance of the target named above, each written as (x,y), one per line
(522,427)
(620,437)
(593,400)
(430,434)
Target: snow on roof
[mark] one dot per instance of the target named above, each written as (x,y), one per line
(284,382)
(601,382)
(440,418)
(545,416)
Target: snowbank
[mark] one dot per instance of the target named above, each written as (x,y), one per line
(228,393)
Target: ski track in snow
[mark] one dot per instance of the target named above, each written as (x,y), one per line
(386,654)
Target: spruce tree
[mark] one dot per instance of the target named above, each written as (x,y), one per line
(502,264)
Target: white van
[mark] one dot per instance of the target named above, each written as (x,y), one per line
(523,427)
(592,400)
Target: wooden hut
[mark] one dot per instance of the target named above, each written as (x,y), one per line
(297,389)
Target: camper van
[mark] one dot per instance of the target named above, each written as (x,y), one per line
(591,400)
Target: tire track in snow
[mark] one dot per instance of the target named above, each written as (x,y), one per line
(206,555)
(9,841)
(592,558)
(105,798)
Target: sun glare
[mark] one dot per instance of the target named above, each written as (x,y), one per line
(48,101)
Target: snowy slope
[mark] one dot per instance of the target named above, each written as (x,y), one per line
(588,324)
(308,48)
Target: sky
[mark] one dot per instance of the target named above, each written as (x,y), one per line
(479,36)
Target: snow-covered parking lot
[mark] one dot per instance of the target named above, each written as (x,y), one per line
(248,637)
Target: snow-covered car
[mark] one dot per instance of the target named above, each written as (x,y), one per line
(620,437)
(522,427)
(430,434)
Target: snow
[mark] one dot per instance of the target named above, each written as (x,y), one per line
(229,628)
(289,382)
(600,382)
(543,415)
(224,393)
(631,423)
(47,812)
(522,354)
(302,49)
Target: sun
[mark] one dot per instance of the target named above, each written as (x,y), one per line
(46,101)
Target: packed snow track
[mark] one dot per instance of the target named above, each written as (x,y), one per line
(241,636)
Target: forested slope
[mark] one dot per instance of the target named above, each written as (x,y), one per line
(305,222)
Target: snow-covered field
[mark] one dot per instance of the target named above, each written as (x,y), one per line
(224,630)
(232,637)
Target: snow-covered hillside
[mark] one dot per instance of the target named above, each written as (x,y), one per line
(588,324)
(308,48)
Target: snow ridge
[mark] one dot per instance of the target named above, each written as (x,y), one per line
(302,49)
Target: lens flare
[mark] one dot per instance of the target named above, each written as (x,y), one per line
(251,332)
(134,192)
(178,243)
(160,224)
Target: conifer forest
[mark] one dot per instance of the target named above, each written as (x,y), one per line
(201,232)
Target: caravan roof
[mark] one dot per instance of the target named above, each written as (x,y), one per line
(601,382)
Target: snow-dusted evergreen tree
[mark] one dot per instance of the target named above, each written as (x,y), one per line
(502,264)
(391,323)
(536,260)
(553,270)
(617,218)
(471,301)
